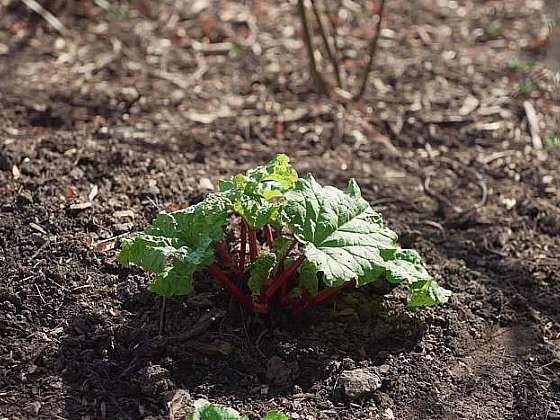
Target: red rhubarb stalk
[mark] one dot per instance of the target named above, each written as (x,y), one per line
(284,294)
(227,284)
(318,298)
(253,245)
(282,278)
(222,250)
(268,235)
(243,246)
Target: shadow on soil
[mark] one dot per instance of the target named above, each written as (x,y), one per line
(117,366)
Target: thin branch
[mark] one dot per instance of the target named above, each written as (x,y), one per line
(334,32)
(331,54)
(48,16)
(308,41)
(372,51)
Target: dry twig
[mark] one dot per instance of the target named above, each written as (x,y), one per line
(372,51)
(330,50)
(308,40)
(48,16)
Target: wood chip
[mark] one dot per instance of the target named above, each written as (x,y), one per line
(439,118)
(293,115)
(38,228)
(533,121)
(15,172)
(470,104)
(93,193)
(80,206)
(121,214)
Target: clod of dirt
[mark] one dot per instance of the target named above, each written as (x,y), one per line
(34,408)
(388,414)
(154,380)
(359,382)
(281,373)
(180,404)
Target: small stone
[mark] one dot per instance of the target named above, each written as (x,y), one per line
(177,96)
(359,382)
(348,363)
(383,369)
(34,408)
(123,227)
(154,380)
(387,414)
(205,184)
(180,404)
(152,187)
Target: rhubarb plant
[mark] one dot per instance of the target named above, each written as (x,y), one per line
(298,243)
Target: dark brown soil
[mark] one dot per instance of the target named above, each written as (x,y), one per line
(127,115)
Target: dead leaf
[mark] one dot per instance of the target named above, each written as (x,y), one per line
(470,104)
(38,228)
(15,172)
(93,193)
(121,214)
(80,206)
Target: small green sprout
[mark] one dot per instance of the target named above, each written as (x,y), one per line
(492,31)
(525,87)
(552,141)
(521,64)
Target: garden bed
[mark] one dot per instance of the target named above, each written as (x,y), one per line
(440,144)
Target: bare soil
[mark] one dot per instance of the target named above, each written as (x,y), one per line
(139,109)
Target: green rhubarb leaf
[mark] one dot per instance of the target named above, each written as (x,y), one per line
(427,293)
(308,279)
(340,233)
(204,410)
(261,271)
(281,246)
(257,194)
(405,266)
(275,415)
(353,188)
(173,281)
(177,244)
(256,211)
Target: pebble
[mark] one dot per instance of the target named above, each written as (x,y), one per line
(359,382)
(387,414)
